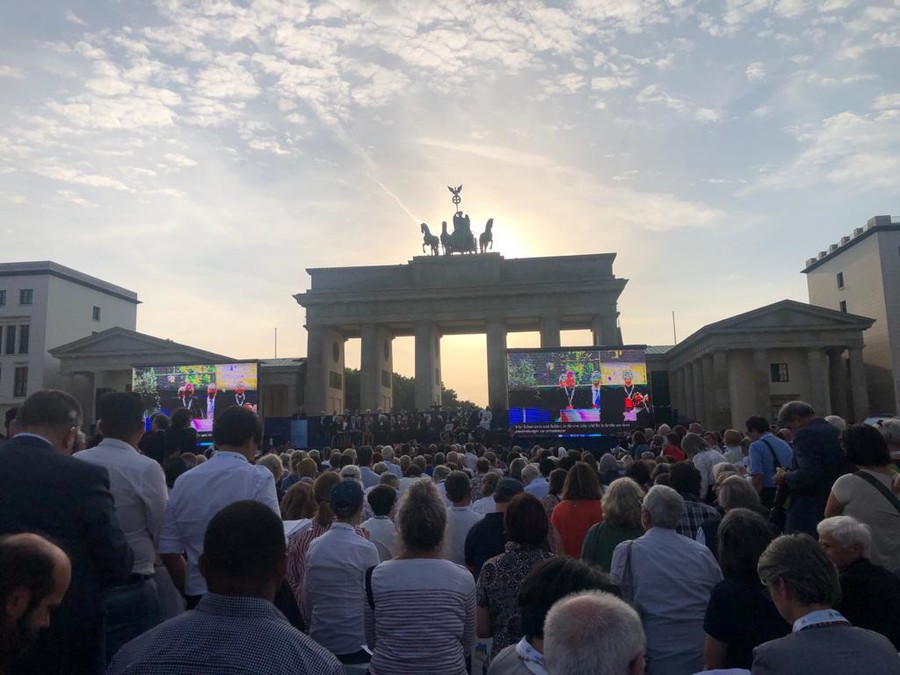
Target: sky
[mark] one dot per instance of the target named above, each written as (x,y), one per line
(205,154)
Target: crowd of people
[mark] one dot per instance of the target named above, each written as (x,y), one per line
(771,549)
(368,427)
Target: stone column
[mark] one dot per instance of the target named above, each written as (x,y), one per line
(496,362)
(550,328)
(699,410)
(605,330)
(762,383)
(316,382)
(376,386)
(840,383)
(858,389)
(709,393)
(721,395)
(820,396)
(428,366)
(689,400)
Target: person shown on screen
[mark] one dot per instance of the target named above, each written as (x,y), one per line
(210,407)
(188,402)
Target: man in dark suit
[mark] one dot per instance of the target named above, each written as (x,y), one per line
(186,399)
(43,489)
(804,586)
(818,459)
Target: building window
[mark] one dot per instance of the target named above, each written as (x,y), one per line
(843,306)
(779,372)
(10,340)
(840,279)
(20,382)
(26,295)
(96,313)
(2,298)
(23,338)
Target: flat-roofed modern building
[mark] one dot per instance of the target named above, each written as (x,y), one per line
(860,274)
(44,305)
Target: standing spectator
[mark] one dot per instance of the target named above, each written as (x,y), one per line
(767,454)
(153,442)
(870,595)
(381,529)
(407,636)
(388,453)
(669,578)
(9,418)
(34,577)
(333,586)
(804,586)
(740,616)
(138,485)
(235,627)
(205,490)
(621,522)
(551,580)
(482,467)
(817,461)
(673,449)
(273,464)
(685,479)
(364,458)
(44,490)
(704,456)
(557,483)
(579,509)
(594,632)
(181,436)
(890,429)
(733,452)
(460,517)
(487,537)
(485,504)
(501,576)
(867,495)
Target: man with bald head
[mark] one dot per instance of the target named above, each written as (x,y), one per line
(43,489)
(34,577)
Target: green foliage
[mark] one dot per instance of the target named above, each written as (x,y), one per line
(404,392)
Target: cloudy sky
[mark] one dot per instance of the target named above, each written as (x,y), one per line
(205,153)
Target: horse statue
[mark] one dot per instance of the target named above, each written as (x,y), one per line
(445,238)
(486,239)
(429,240)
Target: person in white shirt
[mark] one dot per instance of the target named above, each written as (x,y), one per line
(535,483)
(205,490)
(388,453)
(440,477)
(138,485)
(381,529)
(364,457)
(460,517)
(334,583)
(486,504)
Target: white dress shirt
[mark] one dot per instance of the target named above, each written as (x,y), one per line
(382,533)
(138,485)
(199,495)
(539,487)
(460,520)
(334,588)
(485,505)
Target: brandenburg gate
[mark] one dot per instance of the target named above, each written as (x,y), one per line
(431,296)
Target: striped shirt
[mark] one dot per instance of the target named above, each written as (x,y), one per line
(424,617)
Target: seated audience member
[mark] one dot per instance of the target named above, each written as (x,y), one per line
(557,482)
(870,595)
(487,537)
(273,464)
(298,502)
(460,517)
(621,522)
(579,509)
(405,634)
(805,588)
(153,442)
(673,449)
(243,563)
(293,477)
(594,632)
(498,584)
(333,586)
(34,577)
(482,467)
(670,577)
(181,437)
(535,483)
(608,468)
(733,452)
(740,615)
(550,581)
(685,480)
(867,495)
(381,529)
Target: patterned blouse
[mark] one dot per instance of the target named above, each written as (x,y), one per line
(498,589)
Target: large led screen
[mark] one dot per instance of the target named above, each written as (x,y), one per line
(204,390)
(578,391)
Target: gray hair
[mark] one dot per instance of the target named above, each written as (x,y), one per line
(529,473)
(693,444)
(723,469)
(608,463)
(736,493)
(793,411)
(441,472)
(663,506)
(516,466)
(388,478)
(273,464)
(848,532)
(380,468)
(797,560)
(837,422)
(592,632)
(352,472)
(388,453)
(890,429)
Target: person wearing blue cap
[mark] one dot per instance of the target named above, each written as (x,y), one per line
(333,587)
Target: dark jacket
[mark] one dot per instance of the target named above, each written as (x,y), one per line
(870,598)
(68,501)
(818,459)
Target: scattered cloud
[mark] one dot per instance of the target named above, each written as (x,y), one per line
(756,71)
(14,73)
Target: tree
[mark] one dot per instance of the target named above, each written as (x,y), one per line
(404,392)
